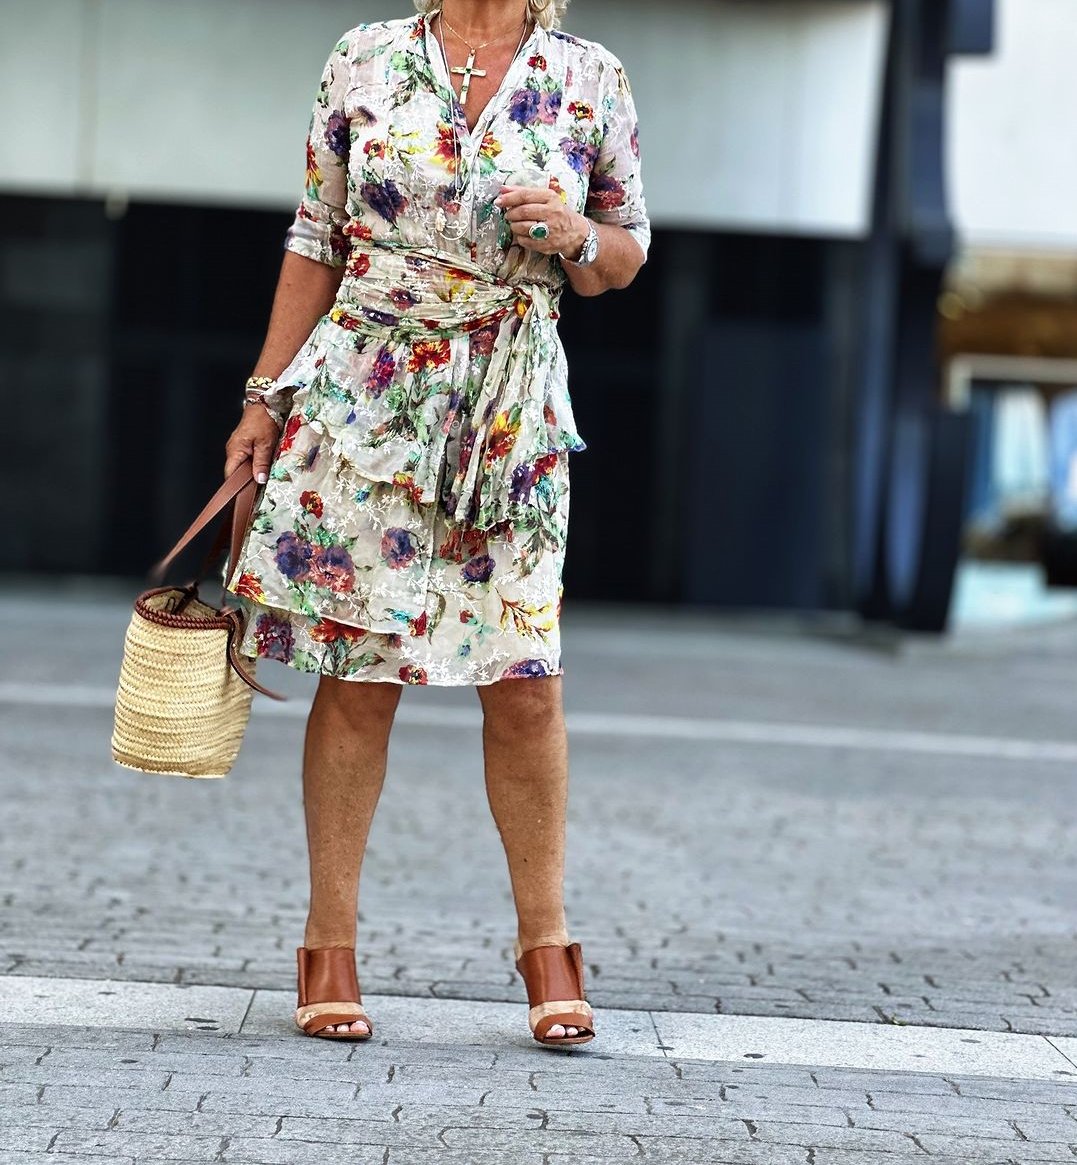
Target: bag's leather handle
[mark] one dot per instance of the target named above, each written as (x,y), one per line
(238,490)
(235,630)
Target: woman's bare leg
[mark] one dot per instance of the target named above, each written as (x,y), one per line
(344,758)
(526,753)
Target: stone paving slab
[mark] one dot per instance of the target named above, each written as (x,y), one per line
(826,1043)
(122,1003)
(196,1096)
(418,1021)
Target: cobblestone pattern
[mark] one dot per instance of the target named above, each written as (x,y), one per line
(71,1094)
(758,880)
(763,882)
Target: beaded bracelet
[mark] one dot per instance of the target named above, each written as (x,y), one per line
(255,393)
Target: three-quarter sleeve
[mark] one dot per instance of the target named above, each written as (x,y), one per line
(318,228)
(615,192)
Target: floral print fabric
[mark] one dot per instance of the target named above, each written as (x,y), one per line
(413,526)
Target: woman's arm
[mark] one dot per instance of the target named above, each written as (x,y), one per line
(315,253)
(614,203)
(305,292)
(619,259)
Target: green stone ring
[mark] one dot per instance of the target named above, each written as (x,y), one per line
(539,230)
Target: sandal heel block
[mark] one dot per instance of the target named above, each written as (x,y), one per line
(329,993)
(553,975)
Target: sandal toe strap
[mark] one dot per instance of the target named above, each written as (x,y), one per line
(567,1012)
(314,1017)
(566,1019)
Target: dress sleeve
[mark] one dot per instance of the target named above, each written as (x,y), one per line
(318,228)
(615,193)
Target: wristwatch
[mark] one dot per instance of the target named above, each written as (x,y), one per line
(589,252)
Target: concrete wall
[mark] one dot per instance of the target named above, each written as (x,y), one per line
(1013,147)
(753,116)
(207,101)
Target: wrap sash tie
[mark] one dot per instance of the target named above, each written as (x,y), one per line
(418,349)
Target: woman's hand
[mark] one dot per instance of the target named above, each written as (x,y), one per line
(255,437)
(525,205)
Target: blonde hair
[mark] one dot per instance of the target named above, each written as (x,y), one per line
(546,13)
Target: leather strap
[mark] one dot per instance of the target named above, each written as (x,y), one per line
(552,972)
(326,975)
(235,634)
(237,491)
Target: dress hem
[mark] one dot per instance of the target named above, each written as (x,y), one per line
(357,678)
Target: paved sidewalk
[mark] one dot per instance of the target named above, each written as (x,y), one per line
(762,824)
(76,1094)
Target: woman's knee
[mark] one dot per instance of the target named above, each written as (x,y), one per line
(363,704)
(518,706)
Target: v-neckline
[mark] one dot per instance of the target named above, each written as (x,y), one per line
(439,70)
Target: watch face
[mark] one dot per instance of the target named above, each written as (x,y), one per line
(590,247)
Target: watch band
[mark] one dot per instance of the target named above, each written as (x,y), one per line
(589,250)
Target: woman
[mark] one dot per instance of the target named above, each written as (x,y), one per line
(410,418)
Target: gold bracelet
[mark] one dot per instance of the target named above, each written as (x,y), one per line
(263,382)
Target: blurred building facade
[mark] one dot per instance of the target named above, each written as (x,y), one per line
(763,407)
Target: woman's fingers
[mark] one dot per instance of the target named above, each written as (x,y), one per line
(513,196)
(523,206)
(529,212)
(253,439)
(528,204)
(237,451)
(262,456)
(547,245)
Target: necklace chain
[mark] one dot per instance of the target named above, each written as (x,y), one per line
(441,224)
(475,48)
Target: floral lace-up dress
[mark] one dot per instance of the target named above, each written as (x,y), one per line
(413,525)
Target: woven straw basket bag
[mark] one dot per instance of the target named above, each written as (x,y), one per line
(184,694)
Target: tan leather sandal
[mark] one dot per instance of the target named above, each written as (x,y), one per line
(553,975)
(329,993)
